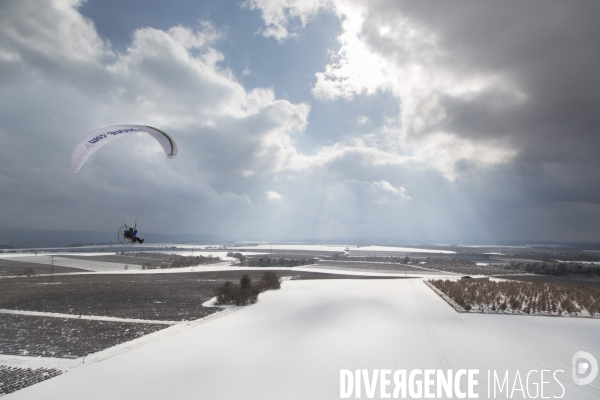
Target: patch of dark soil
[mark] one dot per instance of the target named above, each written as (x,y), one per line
(154,296)
(26,335)
(13,378)
(18,268)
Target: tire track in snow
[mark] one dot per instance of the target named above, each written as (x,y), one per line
(435,344)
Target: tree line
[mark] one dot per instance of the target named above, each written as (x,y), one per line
(376,259)
(266,261)
(555,268)
(174,260)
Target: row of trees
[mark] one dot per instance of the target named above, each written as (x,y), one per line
(246,292)
(376,259)
(278,262)
(555,268)
(522,297)
(266,261)
(174,260)
(463,266)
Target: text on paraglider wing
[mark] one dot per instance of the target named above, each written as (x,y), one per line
(113,133)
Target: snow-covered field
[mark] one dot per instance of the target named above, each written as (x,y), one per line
(88,317)
(293,343)
(90,265)
(101,266)
(291,246)
(340,248)
(389,249)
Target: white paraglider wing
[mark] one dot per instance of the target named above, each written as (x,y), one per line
(100,137)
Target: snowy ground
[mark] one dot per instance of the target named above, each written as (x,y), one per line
(89,317)
(388,249)
(90,265)
(103,266)
(293,343)
(339,248)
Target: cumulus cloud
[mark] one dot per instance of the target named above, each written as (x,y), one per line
(280,15)
(384,192)
(363,120)
(273,195)
(73,41)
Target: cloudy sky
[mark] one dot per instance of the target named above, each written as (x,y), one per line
(398,121)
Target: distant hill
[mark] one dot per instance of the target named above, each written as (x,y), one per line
(21,237)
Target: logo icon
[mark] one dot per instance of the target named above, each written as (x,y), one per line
(584,363)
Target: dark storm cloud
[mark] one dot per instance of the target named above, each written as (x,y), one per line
(549,51)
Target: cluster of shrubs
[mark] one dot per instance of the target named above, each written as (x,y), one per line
(521,297)
(246,292)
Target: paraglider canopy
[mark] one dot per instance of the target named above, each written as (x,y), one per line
(95,140)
